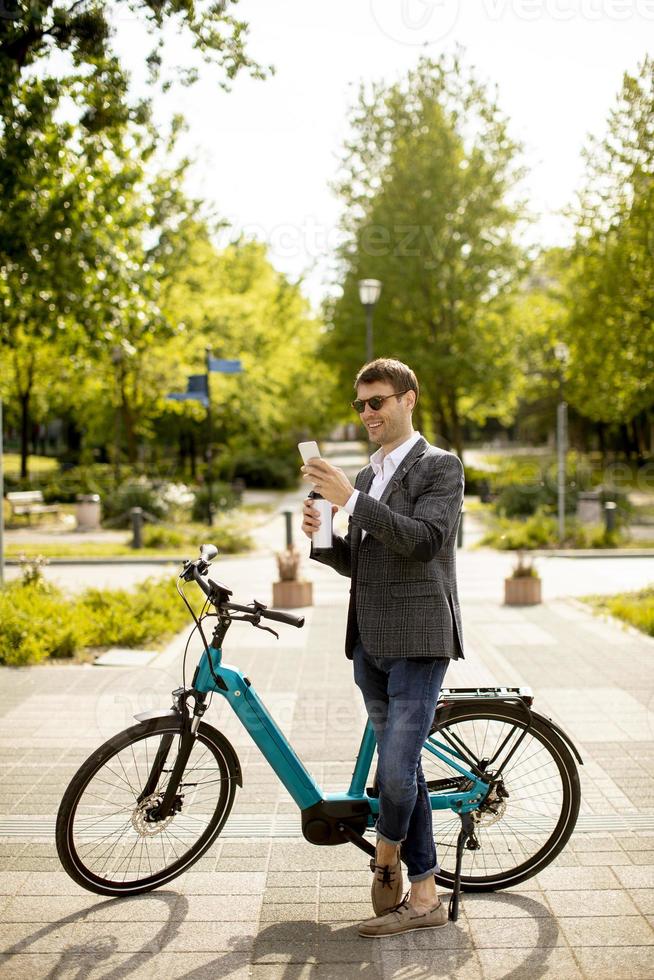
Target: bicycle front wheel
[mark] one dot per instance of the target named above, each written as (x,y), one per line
(107,838)
(531,810)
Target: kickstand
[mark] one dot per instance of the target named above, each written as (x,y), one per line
(355,838)
(467,830)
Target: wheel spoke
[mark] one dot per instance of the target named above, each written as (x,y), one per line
(115,841)
(533,823)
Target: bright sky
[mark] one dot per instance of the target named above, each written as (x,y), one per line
(267,151)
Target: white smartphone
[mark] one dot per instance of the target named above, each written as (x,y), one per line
(308,450)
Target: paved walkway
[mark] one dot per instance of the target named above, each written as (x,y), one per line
(266,904)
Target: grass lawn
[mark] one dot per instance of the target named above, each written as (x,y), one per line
(231,534)
(94,549)
(35,464)
(635,608)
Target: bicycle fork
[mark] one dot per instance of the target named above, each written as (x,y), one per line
(189,730)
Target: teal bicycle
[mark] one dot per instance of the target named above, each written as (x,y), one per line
(147,804)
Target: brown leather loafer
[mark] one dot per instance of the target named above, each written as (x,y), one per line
(386,888)
(403,919)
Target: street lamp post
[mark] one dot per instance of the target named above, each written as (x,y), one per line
(562,354)
(117,361)
(369,292)
(209,453)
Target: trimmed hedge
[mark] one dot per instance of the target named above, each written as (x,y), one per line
(635,608)
(41,621)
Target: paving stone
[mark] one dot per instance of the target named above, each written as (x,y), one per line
(609,963)
(82,937)
(630,930)
(291,971)
(359,893)
(635,877)
(576,879)
(225,883)
(345,879)
(239,864)
(345,911)
(279,879)
(10,882)
(505,905)
(582,903)
(527,963)
(604,858)
(283,952)
(453,935)
(82,963)
(291,896)
(288,913)
(377,961)
(211,937)
(512,933)
(205,965)
(644,899)
(640,857)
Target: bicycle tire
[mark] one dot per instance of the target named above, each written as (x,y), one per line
(104,840)
(533,824)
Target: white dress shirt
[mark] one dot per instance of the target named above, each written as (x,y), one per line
(384,466)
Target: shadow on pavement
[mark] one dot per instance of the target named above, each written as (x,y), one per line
(79,961)
(342,954)
(287,947)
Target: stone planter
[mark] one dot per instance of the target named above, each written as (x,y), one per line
(522,591)
(292,594)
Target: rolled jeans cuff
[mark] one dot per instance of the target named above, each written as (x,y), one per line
(425,874)
(387,840)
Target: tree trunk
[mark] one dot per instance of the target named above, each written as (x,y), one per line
(457,434)
(128,424)
(193,456)
(24,398)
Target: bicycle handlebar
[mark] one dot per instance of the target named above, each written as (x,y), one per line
(258,609)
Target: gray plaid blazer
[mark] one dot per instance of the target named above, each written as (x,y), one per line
(403,597)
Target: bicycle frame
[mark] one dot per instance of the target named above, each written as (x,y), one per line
(237,690)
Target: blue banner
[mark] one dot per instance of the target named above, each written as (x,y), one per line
(223,366)
(196,390)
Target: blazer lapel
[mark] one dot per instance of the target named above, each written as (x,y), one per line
(364,479)
(409,460)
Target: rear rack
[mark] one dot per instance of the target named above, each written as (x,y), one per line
(525,694)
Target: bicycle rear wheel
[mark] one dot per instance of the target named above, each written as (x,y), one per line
(107,839)
(521,832)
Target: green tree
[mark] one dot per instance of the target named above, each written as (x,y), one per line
(30,30)
(74,272)
(81,218)
(235,302)
(611,288)
(428,185)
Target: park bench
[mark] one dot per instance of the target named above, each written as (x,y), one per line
(28,502)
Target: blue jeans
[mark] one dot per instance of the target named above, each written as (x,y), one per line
(400,697)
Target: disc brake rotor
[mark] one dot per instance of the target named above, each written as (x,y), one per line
(145,827)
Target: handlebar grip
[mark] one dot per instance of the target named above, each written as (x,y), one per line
(197,577)
(280,617)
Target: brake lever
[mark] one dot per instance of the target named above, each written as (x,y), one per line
(254,621)
(267,629)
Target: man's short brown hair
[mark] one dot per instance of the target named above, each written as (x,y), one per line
(399,375)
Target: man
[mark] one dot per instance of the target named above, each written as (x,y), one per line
(404,623)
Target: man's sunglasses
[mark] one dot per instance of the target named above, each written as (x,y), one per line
(376,402)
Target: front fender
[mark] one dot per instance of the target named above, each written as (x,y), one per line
(157,713)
